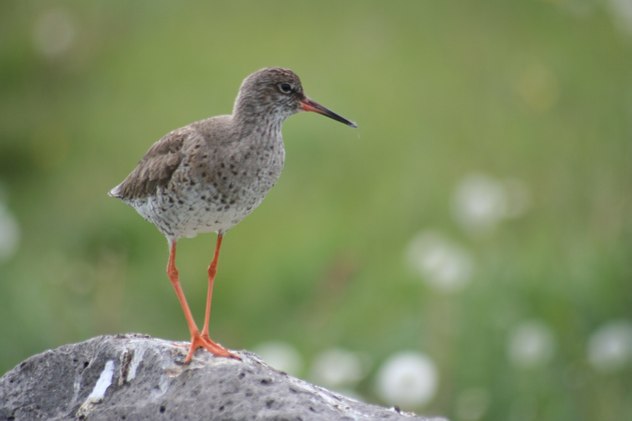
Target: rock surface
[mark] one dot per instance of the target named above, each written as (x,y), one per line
(136,377)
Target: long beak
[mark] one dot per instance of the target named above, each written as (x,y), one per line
(307,104)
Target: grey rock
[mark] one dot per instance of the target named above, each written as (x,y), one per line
(136,377)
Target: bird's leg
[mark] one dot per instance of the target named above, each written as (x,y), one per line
(212,271)
(172,273)
(196,339)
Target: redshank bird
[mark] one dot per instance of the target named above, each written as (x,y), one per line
(209,175)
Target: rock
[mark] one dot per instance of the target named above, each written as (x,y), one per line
(136,377)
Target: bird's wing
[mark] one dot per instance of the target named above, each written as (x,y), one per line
(155,169)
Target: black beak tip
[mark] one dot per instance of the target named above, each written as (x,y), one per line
(307,104)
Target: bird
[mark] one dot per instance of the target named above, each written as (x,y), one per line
(209,175)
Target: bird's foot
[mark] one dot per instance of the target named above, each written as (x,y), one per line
(203,341)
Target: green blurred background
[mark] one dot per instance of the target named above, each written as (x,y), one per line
(479,218)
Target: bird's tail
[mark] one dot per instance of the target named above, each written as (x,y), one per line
(115,192)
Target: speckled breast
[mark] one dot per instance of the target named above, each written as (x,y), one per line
(199,200)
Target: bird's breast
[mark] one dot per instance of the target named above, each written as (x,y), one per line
(262,167)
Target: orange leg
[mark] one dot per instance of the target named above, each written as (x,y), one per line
(197,340)
(212,271)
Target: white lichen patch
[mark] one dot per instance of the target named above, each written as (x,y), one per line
(105,380)
(133,365)
(98,392)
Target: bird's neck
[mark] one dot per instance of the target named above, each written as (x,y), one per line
(257,121)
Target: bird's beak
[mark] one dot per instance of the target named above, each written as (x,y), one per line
(307,104)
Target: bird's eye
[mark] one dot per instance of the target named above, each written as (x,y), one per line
(285,88)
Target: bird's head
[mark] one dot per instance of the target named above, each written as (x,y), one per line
(277,93)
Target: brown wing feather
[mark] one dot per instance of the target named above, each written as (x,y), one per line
(155,169)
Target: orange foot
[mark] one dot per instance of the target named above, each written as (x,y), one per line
(203,341)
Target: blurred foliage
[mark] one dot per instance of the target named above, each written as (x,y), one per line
(535,91)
